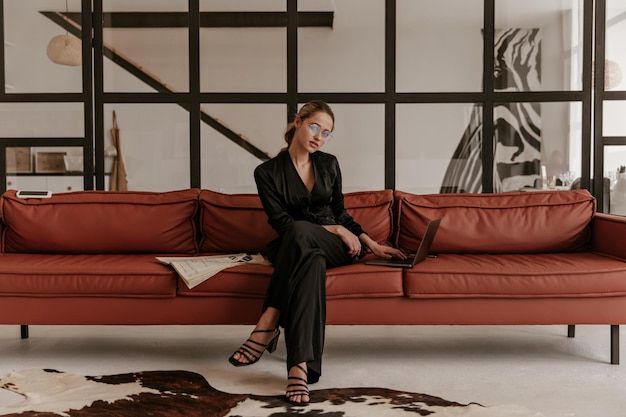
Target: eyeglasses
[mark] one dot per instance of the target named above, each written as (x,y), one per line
(317,129)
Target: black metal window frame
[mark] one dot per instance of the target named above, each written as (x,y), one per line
(600,96)
(85,98)
(94,98)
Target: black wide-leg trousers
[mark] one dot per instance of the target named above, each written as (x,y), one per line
(298,289)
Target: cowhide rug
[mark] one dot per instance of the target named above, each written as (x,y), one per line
(51,393)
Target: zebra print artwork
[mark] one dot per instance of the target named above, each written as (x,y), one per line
(517,126)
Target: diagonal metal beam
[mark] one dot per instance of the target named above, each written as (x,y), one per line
(160,86)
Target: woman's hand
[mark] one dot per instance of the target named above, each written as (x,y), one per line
(386,252)
(381,251)
(347,237)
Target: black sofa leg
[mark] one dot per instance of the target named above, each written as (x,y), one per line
(24,331)
(571,330)
(615,344)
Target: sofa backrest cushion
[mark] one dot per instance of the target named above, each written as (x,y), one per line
(101,222)
(517,222)
(373,210)
(233,223)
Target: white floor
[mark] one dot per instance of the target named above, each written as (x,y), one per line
(534,366)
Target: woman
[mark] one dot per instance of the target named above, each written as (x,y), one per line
(300,190)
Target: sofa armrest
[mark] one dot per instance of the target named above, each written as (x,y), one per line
(608,234)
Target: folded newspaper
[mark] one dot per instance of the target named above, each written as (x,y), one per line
(195,270)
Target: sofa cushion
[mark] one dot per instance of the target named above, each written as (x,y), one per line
(549,275)
(101,222)
(126,276)
(373,210)
(350,281)
(233,223)
(521,222)
(363,281)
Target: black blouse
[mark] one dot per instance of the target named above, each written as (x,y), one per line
(285,197)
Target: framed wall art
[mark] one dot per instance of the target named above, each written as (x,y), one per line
(49,162)
(18,160)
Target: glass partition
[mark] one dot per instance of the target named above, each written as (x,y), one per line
(250,134)
(432,146)
(615,63)
(613,128)
(438,147)
(154,141)
(359,144)
(55,168)
(613,118)
(146,59)
(439,45)
(350,55)
(615,171)
(239,58)
(42,120)
(536,142)
(34,141)
(29,54)
(538,45)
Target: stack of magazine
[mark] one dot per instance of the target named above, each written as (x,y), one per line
(194,270)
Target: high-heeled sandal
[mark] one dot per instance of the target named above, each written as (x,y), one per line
(298,389)
(252,350)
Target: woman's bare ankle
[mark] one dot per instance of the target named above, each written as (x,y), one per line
(269,319)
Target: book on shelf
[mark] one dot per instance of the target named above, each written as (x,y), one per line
(194,270)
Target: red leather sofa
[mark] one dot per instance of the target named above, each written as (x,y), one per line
(524,258)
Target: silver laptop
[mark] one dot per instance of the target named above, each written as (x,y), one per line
(420,254)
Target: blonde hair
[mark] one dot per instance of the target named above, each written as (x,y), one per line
(306,111)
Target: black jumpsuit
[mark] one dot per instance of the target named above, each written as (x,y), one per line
(304,249)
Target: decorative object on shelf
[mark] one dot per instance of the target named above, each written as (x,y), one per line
(118,171)
(65,49)
(50,162)
(618,205)
(567,178)
(18,160)
(73,163)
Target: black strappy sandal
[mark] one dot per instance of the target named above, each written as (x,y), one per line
(250,349)
(298,389)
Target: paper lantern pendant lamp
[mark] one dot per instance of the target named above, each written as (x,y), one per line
(65,50)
